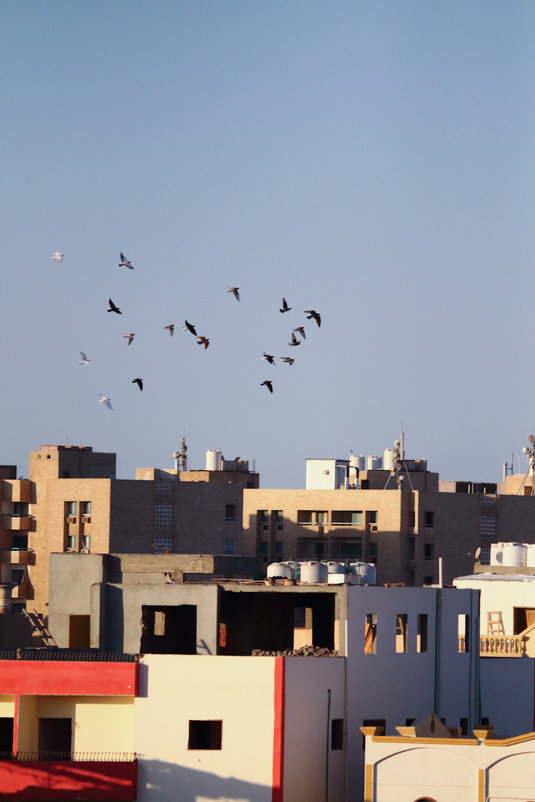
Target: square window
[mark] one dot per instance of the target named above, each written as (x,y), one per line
(278,516)
(428,580)
(263,516)
(429,519)
(230,512)
(372,516)
(205,734)
(337,733)
(20,542)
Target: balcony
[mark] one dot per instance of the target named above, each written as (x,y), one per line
(501,646)
(16,522)
(79,775)
(19,557)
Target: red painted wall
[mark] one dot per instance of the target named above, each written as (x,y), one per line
(46,678)
(277,792)
(68,780)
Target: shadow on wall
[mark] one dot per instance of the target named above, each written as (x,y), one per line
(167,782)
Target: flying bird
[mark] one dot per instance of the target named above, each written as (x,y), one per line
(310,313)
(83,359)
(269,358)
(103,399)
(57,256)
(129,336)
(203,341)
(171,328)
(300,330)
(295,341)
(125,262)
(267,384)
(189,327)
(139,383)
(234,291)
(114,308)
(287,359)
(285,307)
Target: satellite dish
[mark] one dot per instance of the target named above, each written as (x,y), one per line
(525,450)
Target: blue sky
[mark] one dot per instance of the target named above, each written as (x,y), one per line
(370,160)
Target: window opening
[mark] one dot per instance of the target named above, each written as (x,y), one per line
(421,633)
(230,512)
(337,733)
(370,633)
(401,632)
(205,734)
(463,632)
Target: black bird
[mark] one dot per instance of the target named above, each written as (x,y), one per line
(295,341)
(139,383)
(114,308)
(310,313)
(301,331)
(287,359)
(190,327)
(285,307)
(125,262)
(269,358)
(268,384)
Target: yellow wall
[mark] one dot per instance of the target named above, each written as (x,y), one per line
(7,706)
(100,724)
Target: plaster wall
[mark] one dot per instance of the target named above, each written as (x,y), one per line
(502,595)
(176,689)
(507,694)
(7,706)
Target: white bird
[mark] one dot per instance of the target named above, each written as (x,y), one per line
(57,256)
(125,262)
(129,336)
(103,399)
(83,359)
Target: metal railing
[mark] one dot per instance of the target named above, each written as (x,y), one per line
(67,655)
(76,757)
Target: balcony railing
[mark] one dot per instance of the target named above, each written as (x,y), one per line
(76,757)
(502,646)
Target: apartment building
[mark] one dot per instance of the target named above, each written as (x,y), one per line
(352,514)
(73,502)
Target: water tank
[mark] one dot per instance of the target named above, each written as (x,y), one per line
(313,572)
(5,598)
(357,461)
(514,554)
(530,555)
(294,568)
(334,567)
(496,553)
(388,459)
(214,458)
(279,571)
(366,572)
(374,463)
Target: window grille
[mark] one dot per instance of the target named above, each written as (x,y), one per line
(488,526)
(164,515)
(163,545)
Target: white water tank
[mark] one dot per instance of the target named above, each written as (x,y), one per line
(313,572)
(334,567)
(279,571)
(530,555)
(366,572)
(214,459)
(388,459)
(496,553)
(374,463)
(514,554)
(357,461)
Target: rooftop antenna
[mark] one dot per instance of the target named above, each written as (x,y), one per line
(181,457)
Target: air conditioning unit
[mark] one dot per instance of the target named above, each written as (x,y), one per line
(71,519)
(86,519)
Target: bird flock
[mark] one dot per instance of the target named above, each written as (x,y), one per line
(310,314)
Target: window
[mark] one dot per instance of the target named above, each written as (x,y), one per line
(17,575)
(401,632)
(428,551)
(20,509)
(264,548)
(6,737)
(372,516)
(205,734)
(372,552)
(20,542)
(71,542)
(163,545)
(164,516)
(321,518)
(55,735)
(263,516)
(85,507)
(277,514)
(337,733)
(349,548)
(86,542)
(484,555)
(429,519)
(346,518)
(412,519)
(230,545)
(278,548)
(463,723)
(463,632)
(421,633)
(428,580)
(312,517)
(230,512)
(70,507)
(370,633)
(487,526)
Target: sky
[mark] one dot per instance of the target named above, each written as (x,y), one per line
(373,161)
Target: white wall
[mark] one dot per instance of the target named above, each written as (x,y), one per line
(501,594)
(316,479)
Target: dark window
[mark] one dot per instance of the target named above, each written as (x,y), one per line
(264,548)
(428,580)
(346,518)
(55,735)
(230,512)
(70,507)
(169,629)
(278,548)
(20,542)
(6,737)
(429,519)
(372,552)
(79,632)
(205,734)
(412,520)
(337,733)
(20,509)
(421,634)
(463,632)
(401,632)
(263,516)
(17,575)
(463,722)
(372,516)
(428,551)
(85,507)
(277,514)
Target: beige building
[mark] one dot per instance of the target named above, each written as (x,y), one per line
(364,516)
(72,502)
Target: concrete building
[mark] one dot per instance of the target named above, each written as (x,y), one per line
(72,502)
(439,766)
(350,513)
